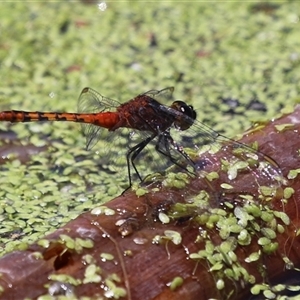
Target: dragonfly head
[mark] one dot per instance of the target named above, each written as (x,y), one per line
(187,117)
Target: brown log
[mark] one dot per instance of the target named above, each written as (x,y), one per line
(125,251)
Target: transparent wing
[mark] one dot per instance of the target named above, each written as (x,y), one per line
(91,101)
(163,96)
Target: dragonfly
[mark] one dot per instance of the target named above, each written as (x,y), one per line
(172,131)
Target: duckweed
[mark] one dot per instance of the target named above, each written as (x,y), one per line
(174,236)
(92,274)
(283,127)
(293,173)
(177,180)
(65,278)
(141,192)
(164,218)
(175,283)
(220,284)
(253,257)
(106,256)
(226,186)
(112,290)
(102,210)
(288,192)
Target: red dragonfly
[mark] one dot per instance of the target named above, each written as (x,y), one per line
(170,130)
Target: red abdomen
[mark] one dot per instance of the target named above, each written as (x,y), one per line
(106,119)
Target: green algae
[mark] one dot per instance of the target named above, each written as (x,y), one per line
(243,61)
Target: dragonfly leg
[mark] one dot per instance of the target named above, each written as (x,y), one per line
(166,140)
(132,155)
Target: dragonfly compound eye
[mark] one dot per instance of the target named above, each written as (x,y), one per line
(187,117)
